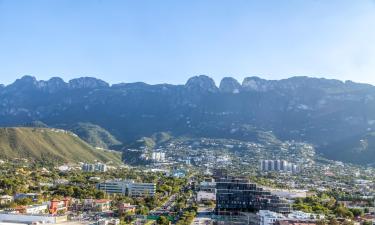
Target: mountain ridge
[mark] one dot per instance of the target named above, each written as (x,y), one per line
(316,110)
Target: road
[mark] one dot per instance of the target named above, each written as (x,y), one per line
(166,207)
(203,216)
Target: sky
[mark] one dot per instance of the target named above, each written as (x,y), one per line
(168,41)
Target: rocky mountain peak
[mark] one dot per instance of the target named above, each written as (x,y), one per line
(230,85)
(87,82)
(256,84)
(25,82)
(201,83)
(54,84)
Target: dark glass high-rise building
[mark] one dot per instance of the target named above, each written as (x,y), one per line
(234,194)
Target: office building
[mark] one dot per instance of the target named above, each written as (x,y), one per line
(127,187)
(234,195)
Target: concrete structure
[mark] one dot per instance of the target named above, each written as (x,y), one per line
(128,187)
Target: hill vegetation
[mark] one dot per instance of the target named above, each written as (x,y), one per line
(50,145)
(95,135)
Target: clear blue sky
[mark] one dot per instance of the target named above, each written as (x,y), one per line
(161,41)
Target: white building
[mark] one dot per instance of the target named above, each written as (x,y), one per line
(30,218)
(267,217)
(205,196)
(127,187)
(158,156)
(278,165)
(299,215)
(37,209)
(288,194)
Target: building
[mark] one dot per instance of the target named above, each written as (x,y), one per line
(295,222)
(34,209)
(31,218)
(33,196)
(97,167)
(102,205)
(203,196)
(267,217)
(127,187)
(158,156)
(98,205)
(208,186)
(289,194)
(6,199)
(278,165)
(126,208)
(234,195)
(142,189)
(58,207)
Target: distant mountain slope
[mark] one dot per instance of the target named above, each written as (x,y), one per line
(359,149)
(50,145)
(318,111)
(95,135)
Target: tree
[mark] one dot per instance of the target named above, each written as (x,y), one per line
(367,223)
(357,212)
(333,221)
(162,220)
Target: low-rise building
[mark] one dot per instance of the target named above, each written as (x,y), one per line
(6,199)
(203,196)
(59,206)
(11,217)
(102,205)
(267,217)
(99,205)
(126,208)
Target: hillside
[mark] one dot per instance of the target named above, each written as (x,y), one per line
(319,111)
(359,149)
(50,145)
(95,135)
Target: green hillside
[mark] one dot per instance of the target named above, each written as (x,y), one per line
(50,145)
(95,135)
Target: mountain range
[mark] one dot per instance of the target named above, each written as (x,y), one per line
(337,117)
